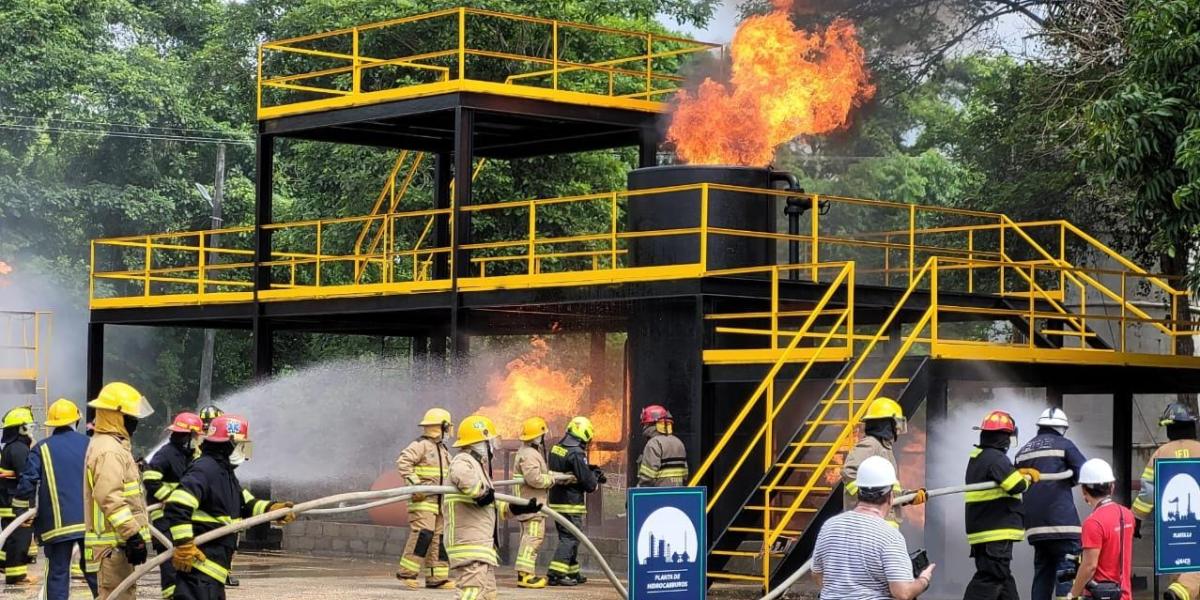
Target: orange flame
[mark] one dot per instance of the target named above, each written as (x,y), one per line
(5,269)
(911,456)
(784,83)
(532,385)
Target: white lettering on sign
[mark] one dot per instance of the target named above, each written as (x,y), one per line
(1181,535)
(1183,562)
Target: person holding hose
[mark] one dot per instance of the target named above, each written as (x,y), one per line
(569,456)
(1180,422)
(663,462)
(13,459)
(162,476)
(54,473)
(208,496)
(993,516)
(533,482)
(471,513)
(118,528)
(883,423)
(1051,522)
(425,462)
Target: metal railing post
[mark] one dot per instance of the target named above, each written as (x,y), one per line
(554,49)
(649,63)
(912,241)
(1032,285)
(356,71)
(933,305)
(92,270)
(202,262)
(532,235)
(462,43)
(775,308)
(1003,256)
(1124,324)
(317,277)
(613,230)
(703,228)
(149,258)
(971,261)
(815,232)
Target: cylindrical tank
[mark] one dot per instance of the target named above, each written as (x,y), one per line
(681,209)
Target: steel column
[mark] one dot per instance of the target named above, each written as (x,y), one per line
(1122,441)
(264,351)
(464,155)
(441,200)
(95,360)
(648,148)
(937,514)
(1054,397)
(264,157)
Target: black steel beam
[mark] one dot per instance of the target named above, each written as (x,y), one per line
(95,360)
(442,176)
(464,167)
(648,140)
(1122,432)
(541,146)
(264,185)
(1073,378)
(214,316)
(263,341)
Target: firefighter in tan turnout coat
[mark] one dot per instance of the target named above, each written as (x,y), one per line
(882,424)
(1180,422)
(534,482)
(426,462)
(118,527)
(471,514)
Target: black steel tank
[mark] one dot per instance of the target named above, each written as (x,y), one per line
(726,209)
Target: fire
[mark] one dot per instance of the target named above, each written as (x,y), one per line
(5,269)
(784,83)
(532,385)
(911,456)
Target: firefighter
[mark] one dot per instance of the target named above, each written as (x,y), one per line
(208,496)
(1051,521)
(471,514)
(425,462)
(1180,422)
(208,413)
(569,456)
(55,473)
(534,482)
(118,528)
(162,476)
(882,424)
(663,462)
(12,463)
(993,516)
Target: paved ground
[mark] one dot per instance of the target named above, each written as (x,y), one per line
(286,577)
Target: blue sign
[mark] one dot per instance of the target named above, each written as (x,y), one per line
(1176,504)
(668,543)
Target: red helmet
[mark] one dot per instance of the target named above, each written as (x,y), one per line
(655,413)
(998,420)
(186,421)
(228,428)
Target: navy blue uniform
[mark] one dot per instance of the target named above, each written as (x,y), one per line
(1051,521)
(161,478)
(54,471)
(15,553)
(569,456)
(994,522)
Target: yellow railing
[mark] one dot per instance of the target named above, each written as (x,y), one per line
(25,338)
(465,48)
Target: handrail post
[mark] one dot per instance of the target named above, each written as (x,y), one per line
(259,86)
(1003,256)
(201,282)
(815,232)
(613,229)
(1123,304)
(887,260)
(462,43)
(775,308)
(92,270)
(971,261)
(1032,285)
(1062,260)
(146,279)
(317,277)
(649,63)
(355,66)
(933,305)
(703,228)
(532,234)
(912,241)
(554,48)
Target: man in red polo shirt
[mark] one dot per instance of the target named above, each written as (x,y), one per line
(1107,538)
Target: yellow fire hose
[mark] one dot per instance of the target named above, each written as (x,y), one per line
(391,494)
(900,501)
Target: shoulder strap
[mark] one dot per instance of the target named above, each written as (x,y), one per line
(1121,545)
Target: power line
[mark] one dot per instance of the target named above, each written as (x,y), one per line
(129,134)
(167,128)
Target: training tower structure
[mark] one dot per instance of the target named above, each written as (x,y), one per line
(766,346)
(24,357)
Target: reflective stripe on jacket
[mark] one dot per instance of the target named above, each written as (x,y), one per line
(470,528)
(1050,505)
(994,515)
(112,493)
(1143,505)
(424,462)
(163,473)
(55,471)
(533,475)
(663,462)
(12,462)
(569,456)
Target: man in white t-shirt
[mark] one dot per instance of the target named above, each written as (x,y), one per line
(859,556)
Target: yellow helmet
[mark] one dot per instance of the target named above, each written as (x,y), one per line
(581,428)
(533,428)
(123,398)
(436,416)
(475,429)
(886,408)
(62,412)
(21,415)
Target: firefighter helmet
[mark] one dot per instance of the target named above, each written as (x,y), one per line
(186,421)
(210,412)
(998,420)
(436,416)
(21,415)
(62,412)
(475,429)
(655,413)
(875,472)
(886,408)
(1096,471)
(228,428)
(533,428)
(1177,412)
(581,429)
(123,398)
(1053,417)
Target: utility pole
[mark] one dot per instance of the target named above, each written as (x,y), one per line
(206,358)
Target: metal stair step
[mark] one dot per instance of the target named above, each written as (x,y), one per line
(743,553)
(736,576)
(758,508)
(1068,332)
(760,530)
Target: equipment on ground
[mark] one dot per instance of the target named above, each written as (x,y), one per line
(62,412)
(123,398)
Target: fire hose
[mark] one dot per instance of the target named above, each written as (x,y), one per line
(900,501)
(391,494)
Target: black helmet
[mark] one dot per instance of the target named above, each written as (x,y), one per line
(1177,412)
(210,412)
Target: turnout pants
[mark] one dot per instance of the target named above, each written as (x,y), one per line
(476,581)
(113,570)
(993,578)
(533,533)
(166,572)
(16,552)
(1049,557)
(1185,586)
(566,555)
(423,549)
(195,585)
(58,575)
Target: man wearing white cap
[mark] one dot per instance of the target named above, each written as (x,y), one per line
(858,554)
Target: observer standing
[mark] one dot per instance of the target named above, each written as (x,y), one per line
(1107,563)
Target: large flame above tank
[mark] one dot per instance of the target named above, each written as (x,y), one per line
(784,83)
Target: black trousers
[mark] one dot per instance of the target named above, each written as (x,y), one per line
(566,555)
(58,576)
(1048,557)
(16,552)
(166,572)
(993,578)
(198,586)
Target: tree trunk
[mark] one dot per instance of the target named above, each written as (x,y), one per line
(1178,267)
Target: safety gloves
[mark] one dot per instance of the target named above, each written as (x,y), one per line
(487,498)
(135,550)
(920,496)
(1033,475)
(285,519)
(525,509)
(186,554)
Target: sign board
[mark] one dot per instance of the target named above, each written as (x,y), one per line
(668,543)
(1176,508)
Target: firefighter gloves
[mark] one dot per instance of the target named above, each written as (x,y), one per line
(135,550)
(285,519)
(186,555)
(1033,475)
(525,509)
(920,497)
(487,498)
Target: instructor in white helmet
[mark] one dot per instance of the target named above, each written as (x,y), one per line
(858,554)
(1051,521)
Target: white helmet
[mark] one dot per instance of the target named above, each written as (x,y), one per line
(1096,471)
(876,472)
(1053,417)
